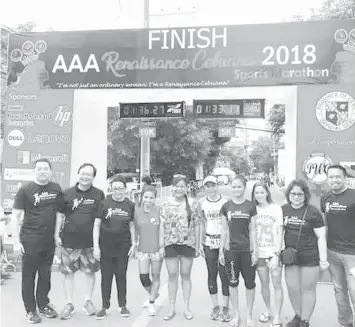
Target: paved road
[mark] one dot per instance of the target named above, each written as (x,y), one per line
(12,312)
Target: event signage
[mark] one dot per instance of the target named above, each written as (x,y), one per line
(314,52)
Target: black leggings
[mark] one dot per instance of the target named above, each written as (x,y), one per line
(213,267)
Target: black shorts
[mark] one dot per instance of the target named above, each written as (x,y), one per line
(239,262)
(305,259)
(179,250)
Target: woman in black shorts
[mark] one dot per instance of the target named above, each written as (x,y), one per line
(303,276)
(179,242)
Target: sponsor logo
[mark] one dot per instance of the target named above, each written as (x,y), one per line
(336,111)
(62,158)
(48,139)
(15,107)
(29,52)
(23,157)
(13,174)
(315,168)
(15,138)
(12,188)
(175,109)
(62,116)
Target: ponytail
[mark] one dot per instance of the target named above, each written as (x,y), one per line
(188,210)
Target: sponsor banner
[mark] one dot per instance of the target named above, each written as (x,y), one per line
(326,133)
(38,124)
(317,52)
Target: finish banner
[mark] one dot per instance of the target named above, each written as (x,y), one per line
(318,52)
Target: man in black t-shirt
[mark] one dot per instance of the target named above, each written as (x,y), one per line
(75,238)
(36,206)
(339,208)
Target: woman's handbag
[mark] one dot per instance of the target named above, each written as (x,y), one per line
(289,255)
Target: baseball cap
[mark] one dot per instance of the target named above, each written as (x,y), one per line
(212,179)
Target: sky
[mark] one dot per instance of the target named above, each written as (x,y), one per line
(64,15)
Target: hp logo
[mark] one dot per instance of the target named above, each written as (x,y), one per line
(62,116)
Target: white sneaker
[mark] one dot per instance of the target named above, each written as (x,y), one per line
(146,304)
(152,310)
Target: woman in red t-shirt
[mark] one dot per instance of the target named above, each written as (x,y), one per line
(146,220)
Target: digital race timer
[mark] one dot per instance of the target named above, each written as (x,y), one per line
(152,110)
(247,108)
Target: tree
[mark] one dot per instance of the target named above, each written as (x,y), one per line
(329,9)
(22,28)
(334,9)
(276,120)
(261,154)
(235,158)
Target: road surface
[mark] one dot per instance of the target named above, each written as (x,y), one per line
(12,312)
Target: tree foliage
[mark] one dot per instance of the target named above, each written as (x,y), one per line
(276,120)
(235,158)
(261,154)
(179,147)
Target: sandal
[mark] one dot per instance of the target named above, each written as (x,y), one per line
(169,316)
(264,318)
(250,323)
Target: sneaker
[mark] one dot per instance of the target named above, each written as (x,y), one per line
(102,313)
(146,303)
(33,317)
(67,312)
(89,308)
(124,312)
(304,323)
(152,311)
(226,316)
(48,311)
(215,313)
(295,322)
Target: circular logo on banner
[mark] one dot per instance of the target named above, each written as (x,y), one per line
(62,116)
(315,167)
(336,111)
(15,138)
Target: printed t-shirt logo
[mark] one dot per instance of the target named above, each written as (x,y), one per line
(115,212)
(335,206)
(76,203)
(38,198)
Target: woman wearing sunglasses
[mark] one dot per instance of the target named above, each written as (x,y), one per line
(179,242)
(305,251)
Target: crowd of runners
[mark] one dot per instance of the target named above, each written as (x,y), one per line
(235,236)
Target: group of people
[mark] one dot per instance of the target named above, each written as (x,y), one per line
(235,236)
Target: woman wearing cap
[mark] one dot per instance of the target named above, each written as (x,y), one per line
(211,226)
(179,242)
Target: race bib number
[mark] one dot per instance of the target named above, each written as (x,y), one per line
(213,241)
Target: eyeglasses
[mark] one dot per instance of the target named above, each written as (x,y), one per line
(297,194)
(118,189)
